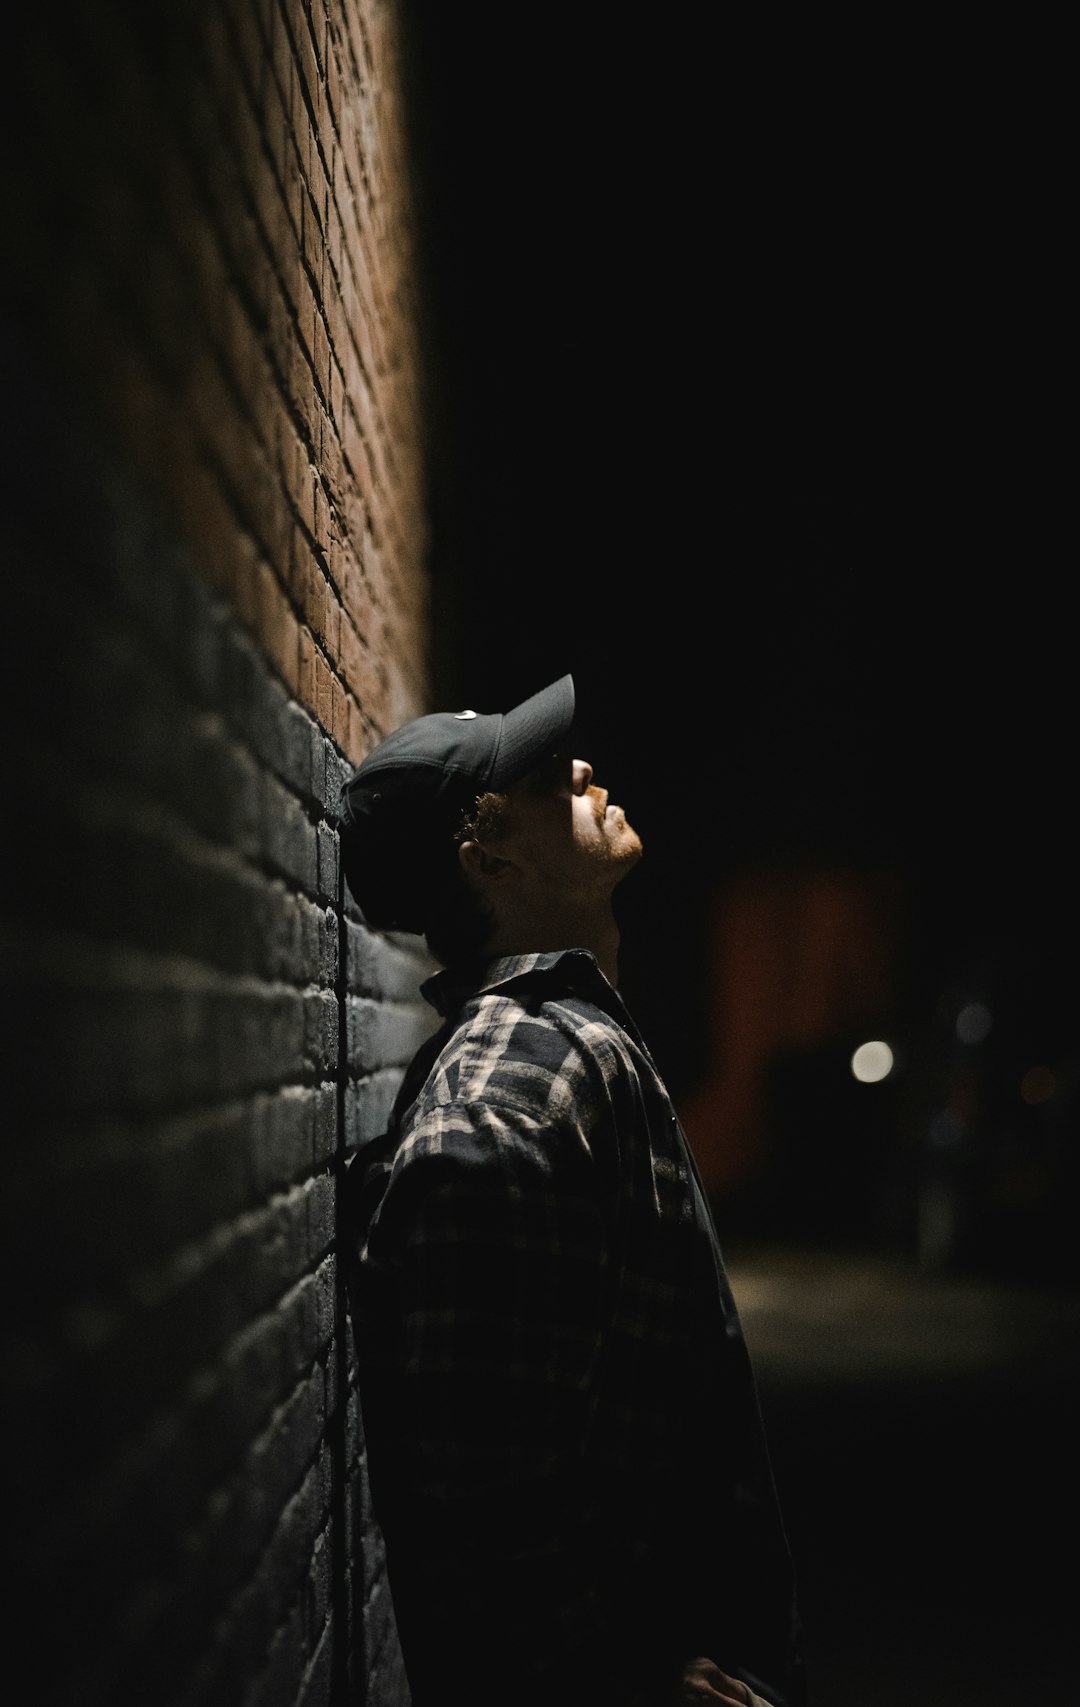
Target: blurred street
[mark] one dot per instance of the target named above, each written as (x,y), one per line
(924,1437)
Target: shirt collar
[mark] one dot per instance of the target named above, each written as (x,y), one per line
(573,968)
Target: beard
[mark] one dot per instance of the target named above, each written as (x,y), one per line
(617,850)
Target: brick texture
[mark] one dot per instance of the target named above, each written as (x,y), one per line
(215,244)
(214,544)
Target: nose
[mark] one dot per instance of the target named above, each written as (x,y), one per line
(582,775)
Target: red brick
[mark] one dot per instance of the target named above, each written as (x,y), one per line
(278,628)
(333,83)
(312,239)
(307,61)
(339,712)
(323,527)
(330,459)
(280,424)
(324,691)
(349,652)
(300,559)
(306,656)
(300,388)
(294,184)
(334,626)
(322,356)
(313,609)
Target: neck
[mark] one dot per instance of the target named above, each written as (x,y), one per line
(590,928)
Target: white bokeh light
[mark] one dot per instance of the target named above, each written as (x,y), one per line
(872,1062)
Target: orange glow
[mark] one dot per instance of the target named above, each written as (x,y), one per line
(1037,1086)
(794,960)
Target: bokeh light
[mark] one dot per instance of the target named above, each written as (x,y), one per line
(872,1062)
(973,1022)
(1037,1086)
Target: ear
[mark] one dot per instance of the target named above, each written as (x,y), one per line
(480,865)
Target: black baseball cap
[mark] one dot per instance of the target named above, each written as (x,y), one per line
(399,810)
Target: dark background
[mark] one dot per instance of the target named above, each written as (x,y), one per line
(751,408)
(749,413)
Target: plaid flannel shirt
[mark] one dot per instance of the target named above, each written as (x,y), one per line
(565,1449)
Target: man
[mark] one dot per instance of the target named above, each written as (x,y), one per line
(565,1449)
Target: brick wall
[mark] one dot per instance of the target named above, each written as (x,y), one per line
(215,589)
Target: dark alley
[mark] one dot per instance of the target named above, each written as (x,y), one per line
(924,1435)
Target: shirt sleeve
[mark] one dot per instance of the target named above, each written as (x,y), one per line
(499,1228)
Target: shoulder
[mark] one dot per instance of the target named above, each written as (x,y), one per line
(551,1057)
(521,1085)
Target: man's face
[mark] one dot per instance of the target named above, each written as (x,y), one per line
(566,830)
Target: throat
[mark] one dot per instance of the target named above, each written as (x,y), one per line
(547,931)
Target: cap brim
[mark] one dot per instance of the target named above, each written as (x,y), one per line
(532,731)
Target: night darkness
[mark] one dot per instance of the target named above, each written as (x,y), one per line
(746,413)
(750,413)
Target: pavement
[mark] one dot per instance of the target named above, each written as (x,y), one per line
(924,1431)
